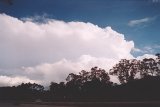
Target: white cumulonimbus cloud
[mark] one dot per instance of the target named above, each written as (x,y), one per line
(45,52)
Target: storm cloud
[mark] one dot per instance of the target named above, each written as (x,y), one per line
(45,52)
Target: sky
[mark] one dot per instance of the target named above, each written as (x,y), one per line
(45,40)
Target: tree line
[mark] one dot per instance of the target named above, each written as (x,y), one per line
(139,81)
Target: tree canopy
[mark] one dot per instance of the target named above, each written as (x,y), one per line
(139,81)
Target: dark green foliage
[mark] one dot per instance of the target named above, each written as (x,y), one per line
(126,70)
(23,92)
(139,82)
